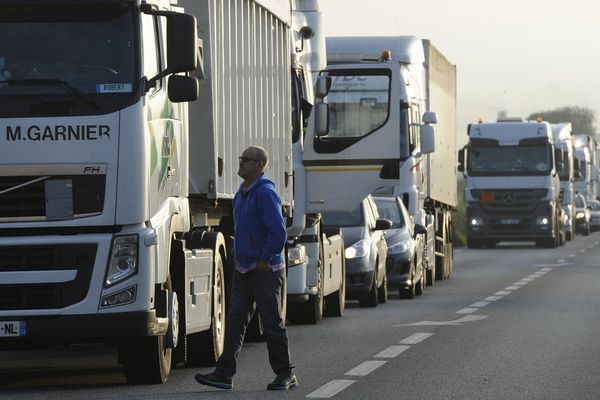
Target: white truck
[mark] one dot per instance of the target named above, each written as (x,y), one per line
(564,148)
(586,183)
(512,184)
(316,280)
(376,101)
(115,199)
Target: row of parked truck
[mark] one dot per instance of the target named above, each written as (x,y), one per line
(528,181)
(117,172)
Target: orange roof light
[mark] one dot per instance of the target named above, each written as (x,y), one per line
(386,55)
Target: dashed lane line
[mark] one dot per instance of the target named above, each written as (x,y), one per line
(365,368)
(502,293)
(392,351)
(416,338)
(512,287)
(469,310)
(480,304)
(492,298)
(330,389)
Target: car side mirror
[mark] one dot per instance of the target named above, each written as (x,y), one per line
(383,224)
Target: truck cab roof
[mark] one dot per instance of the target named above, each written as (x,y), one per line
(511,133)
(404,49)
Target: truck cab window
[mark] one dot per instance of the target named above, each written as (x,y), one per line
(150,43)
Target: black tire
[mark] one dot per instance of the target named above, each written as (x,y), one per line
(335,303)
(370,299)
(382,292)
(410,292)
(586,231)
(474,243)
(147,360)
(205,348)
(421,284)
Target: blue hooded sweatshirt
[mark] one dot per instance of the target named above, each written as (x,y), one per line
(260,232)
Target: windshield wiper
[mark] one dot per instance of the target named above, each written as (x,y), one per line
(57,82)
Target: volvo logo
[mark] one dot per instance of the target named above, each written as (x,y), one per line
(509,198)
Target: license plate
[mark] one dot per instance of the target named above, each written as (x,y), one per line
(510,221)
(12,328)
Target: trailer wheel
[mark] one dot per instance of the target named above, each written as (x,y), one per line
(146,360)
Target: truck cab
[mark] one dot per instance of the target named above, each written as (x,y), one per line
(512,184)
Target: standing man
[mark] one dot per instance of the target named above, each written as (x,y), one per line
(260,236)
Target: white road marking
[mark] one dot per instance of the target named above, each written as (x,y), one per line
(467,310)
(492,298)
(392,351)
(582,251)
(460,321)
(553,265)
(596,243)
(365,368)
(561,261)
(590,247)
(546,269)
(416,338)
(502,293)
(330,389)
(512,287)
(571,255)
(521,283)
(480,304)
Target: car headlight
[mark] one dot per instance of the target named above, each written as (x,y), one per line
(398,248)
(580,215)
(123,259)
(357,250)
(296,255)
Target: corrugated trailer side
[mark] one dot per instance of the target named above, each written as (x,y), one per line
(441,97)
(245,97)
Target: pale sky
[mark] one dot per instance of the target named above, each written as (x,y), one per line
(520,56)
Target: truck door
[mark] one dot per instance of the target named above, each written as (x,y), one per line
(366,140)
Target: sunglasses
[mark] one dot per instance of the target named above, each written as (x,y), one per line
(246,159)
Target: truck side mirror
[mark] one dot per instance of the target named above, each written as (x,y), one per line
(577,174)
(183,88)
(181,43)
(429,117)
(323,86)
(427,137)
(321,115)
(419,230)
(461,159)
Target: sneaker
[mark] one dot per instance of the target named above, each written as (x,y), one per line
(214,380)
(284,381)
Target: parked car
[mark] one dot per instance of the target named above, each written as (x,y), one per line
(404,268)
(366,251)
(582,215)
(594,207)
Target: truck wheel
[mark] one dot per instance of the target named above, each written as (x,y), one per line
(205,348)
(311,311)
(146,360)
(335,303)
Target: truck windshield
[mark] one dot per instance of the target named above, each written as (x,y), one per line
(89,47)
(509,160)
(359,104)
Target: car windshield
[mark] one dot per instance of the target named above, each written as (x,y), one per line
(344,218)
(579,203)
(389,209)
(89,47)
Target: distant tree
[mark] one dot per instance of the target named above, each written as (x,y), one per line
(583,119)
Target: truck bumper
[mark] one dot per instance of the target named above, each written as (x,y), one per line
(513,227)
(85,328)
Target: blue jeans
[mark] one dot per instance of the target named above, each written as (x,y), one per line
(264,288)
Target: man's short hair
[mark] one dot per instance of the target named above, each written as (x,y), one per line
(261,154)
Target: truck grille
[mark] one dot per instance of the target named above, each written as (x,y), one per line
(29,201)
(79,257)
(510,201)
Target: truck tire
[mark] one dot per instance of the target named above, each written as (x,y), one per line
(205,348)
(335,303)
(382,292)
(146,360)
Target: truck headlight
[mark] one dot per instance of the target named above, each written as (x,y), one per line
(357,250)
(543,221)
(398,248)
(296,255)
(123,260)
(476,221)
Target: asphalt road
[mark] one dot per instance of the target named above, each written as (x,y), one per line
(513,322)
